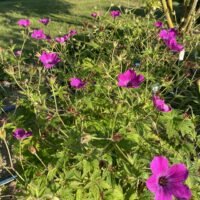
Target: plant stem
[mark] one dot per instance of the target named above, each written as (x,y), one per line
(17,83)
(187,24)
(56,105)
(9,155)
(170,5)
(20,155)
(95,138)
(11,163)
(167,13)
(7,169)
(122,154)
(40,160)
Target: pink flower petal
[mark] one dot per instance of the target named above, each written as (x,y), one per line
(166,108)
(158,24)
(137,82)
(152,183)
(163,194)
(160,104)
(159,165)
(130,74)
(177,173)
(122,80)
(181,191)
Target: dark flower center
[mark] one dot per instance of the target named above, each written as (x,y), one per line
(129,84)
(163,181)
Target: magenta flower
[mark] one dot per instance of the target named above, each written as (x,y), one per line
(38,34)
(60,39)
(167,34)
(173,45)
(77,83)
(72,33)
(167,181)
(18,53)
(130,79)
(169,38)
(21,134)
(24,22)
(160,104)
(94,14)
(44,21)
(67,36)
(115,13)
(49,60)
(158,24)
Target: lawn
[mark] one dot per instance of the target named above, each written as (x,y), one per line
(64,14)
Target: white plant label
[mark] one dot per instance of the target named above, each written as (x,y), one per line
(181,55)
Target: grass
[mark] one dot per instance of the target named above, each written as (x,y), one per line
(64,14)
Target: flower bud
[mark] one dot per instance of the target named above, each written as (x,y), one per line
(32,149)
(85,138)
(52,80)
(117,137)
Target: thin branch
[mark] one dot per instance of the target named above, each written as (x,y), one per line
(190,15)
(170,5)
(167,13)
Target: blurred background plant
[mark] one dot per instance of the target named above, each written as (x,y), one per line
(182,14)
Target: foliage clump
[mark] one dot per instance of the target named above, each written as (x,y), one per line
(107,100)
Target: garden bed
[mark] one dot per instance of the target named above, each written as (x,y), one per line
(100,108)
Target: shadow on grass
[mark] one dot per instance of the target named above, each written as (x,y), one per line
(35,7)
(12,10)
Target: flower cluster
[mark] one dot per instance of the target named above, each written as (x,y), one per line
(66,37)
(62,39)
(169,38)
(37,34)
